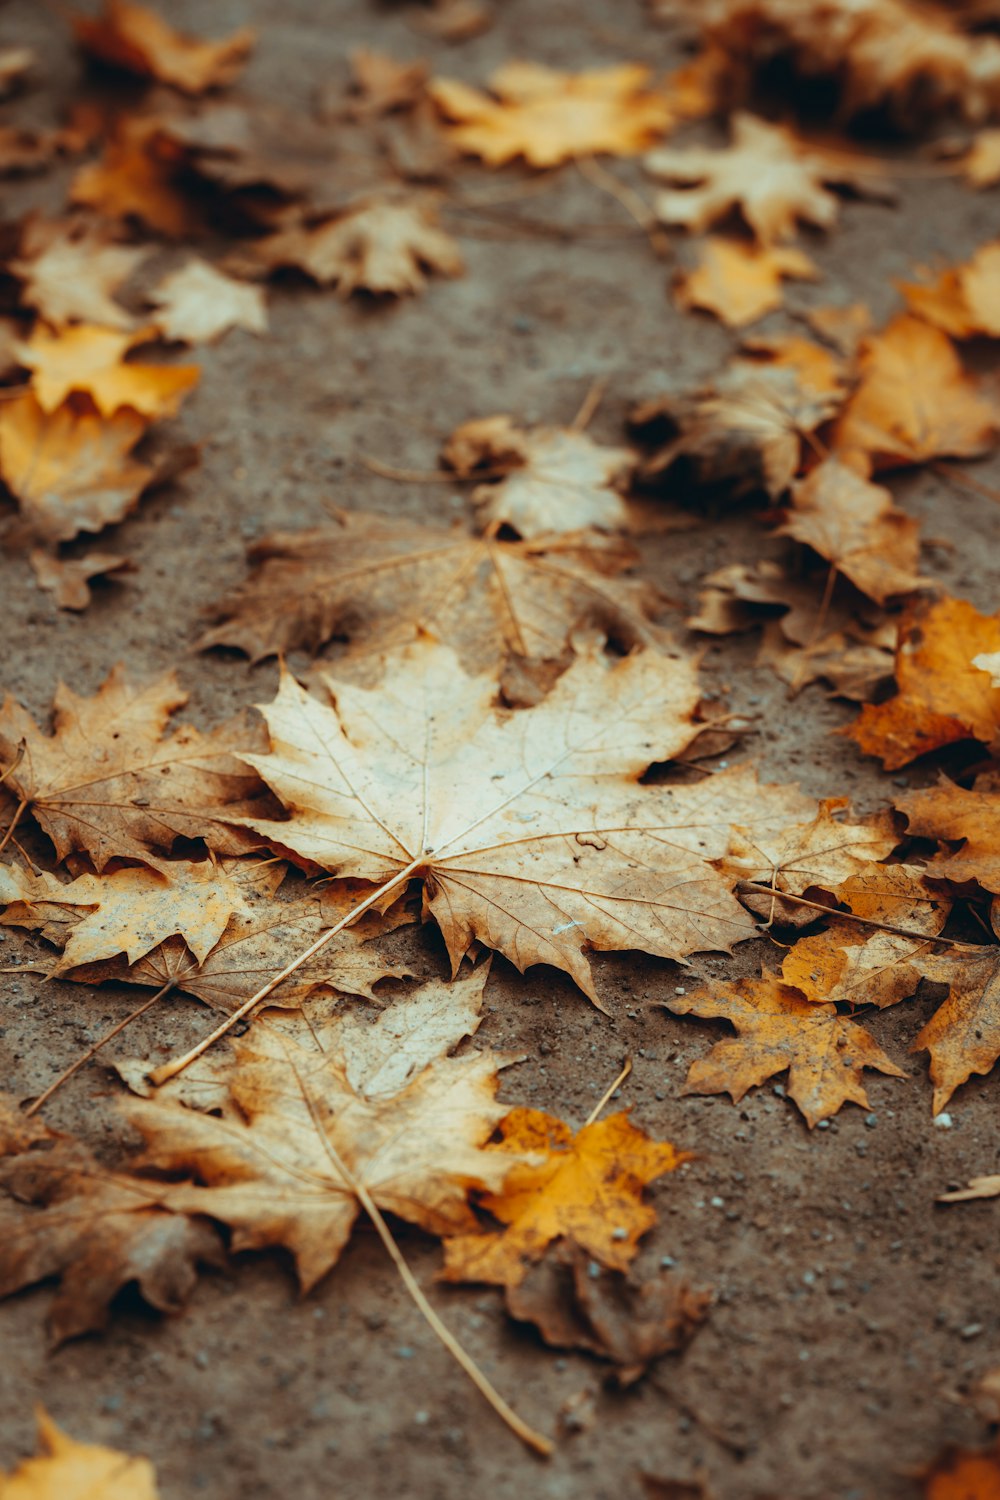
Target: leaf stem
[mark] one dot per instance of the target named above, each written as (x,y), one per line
(595,1112)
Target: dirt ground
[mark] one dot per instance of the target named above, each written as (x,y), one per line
(850,1313)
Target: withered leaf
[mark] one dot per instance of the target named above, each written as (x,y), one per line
(963,1035)
(979,1187)
(965,300)
(132,180)
(529,830)
(68,578)
(135,39)
(69,270)
(77,1471)
(825,1053)
(198,304)
(952,815)
(90,358)
(739,282)
(105,781)
(819,855)
(964,1474)
(381,85)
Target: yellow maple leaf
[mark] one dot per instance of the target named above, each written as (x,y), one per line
(740,282)
(68,1470)
(92,359)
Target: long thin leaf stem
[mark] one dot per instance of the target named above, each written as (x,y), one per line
(608,1093)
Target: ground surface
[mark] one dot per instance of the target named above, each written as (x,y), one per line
(835,1357)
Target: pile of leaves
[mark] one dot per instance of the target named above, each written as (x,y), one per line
(503,739)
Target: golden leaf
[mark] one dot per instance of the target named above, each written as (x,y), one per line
(92,359)
(740,282)
(68,1470)
(130,37)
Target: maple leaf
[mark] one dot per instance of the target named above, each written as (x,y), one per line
(820,854)
(963,1474)
(951,814)
(379,582)
(825,1053)
(128,911)
(92,359)
(133,180)
(981,163)
(740,282)
(855,525)
(770,173)
(843,326)
(68,1217)
(749,426)
(586,1185)
(963,1035)
(914,401)
(68,579)
(617,1316)
(69,270)
(71,471)
(550,117)
(136,40)
(198,304)
(77,1471)
(105,783)
(965,300)
(381,246)
(546,479)
(845,963)
(528,829)
(328,1108)
(382,85)
(941,696)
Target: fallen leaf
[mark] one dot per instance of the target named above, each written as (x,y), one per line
(521,825)
(979,1187)
(71,472)
(379,582)
(856,663)
(133,181)
(856,527)
(843,327)
(617,1315)
(963,1034)
(136,40)
(942,697)
(68,578)
(16,63)
(198,304)
(454,20)
(68,271)
(825,1054)
(381,85)
(550,117)
(750,428)
(129,911)
(986,1393)
(774,176)
(65,1216)
(820,854)
(965,299)
(981,164)
(92,359)
(959,1474)
(381,246)
(106,783)
(77,1471)
(952,815)
(586,1186)
(740,282)
(545,479)
(914,401)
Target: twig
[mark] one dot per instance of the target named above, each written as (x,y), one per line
(93,1051)
(632,202)
(608,1093)
(588,408)
(427,476)
(975,485)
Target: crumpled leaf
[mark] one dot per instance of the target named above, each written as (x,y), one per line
(774,176)
(320,1114)
(106,783)
(942,697)
(136,40)
(739,282)
(68,1470)
(825,1054)
(855,525)
(818,855)
(379,581)
(586,1186)
(384,246)
(749,427)
(952,815)
(69,270)
(68,578)
(963,1034)
(132,180)
(198,304)
(550,117)
(71,472)
(63,1215)
(965,300)
(544,479)
(529,830)
(914,402)
(92,359)
(620,1317)
(128,911)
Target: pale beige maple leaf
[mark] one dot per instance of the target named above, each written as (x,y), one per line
(546,479)
(822,853)
(105,781)
(69,270)
(67,579)
(129,911)
(197,304)
(378,582)
(383,246)
(530,830)
(550,117)
(774,176)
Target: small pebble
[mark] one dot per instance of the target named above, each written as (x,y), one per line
(421,1418)
(666,1261)
(943,1121)
(679,989)
(871,1121)
(822,1124)
(971,1330)
(404,1352)
(593,1270)
(779,1089)
(717,1202)
(619,1234)
(201,1359)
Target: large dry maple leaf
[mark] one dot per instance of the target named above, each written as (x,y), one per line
(967,820)
(105,781)
(68,271)
(135,39)
(770,173)
(825,1053)
(529,829)
(964,300)
(91,359)
(68,1470)
(586,1186)
(379,582)
(550,117)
